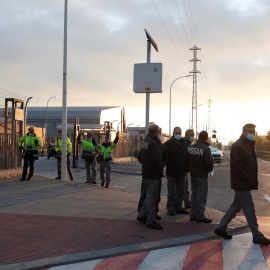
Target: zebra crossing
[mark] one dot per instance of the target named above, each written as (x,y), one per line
(239,253)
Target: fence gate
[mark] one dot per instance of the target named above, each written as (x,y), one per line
(11,129)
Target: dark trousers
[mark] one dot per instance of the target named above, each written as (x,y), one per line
(148,208)
(186,197)
(242,200)
(199,189)
(68,167)
(176,192)
(143,195)
(28,159)
(91,165)
(105,166)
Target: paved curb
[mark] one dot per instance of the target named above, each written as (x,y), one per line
(103,253)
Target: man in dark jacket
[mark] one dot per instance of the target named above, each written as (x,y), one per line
(176,169)
(244,178)
(189,137)
(152,172)
(201,163)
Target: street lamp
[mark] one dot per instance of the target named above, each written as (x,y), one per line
(47,118)
(25,113)
(171,102)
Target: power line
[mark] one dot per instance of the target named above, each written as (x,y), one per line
(189,22)
(193,22)
(170,36)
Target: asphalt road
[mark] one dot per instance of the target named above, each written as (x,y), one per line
(220,194)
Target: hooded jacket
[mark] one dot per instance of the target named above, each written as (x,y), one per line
(243,164)
(201,161)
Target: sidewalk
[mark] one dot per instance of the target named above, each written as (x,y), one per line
(45,222)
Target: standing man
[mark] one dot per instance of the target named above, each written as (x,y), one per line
(58,149)
(106,158)
(31,143)
(244,178)
(152,172)
(89,155)
(201,164)
(176,169)
(189,137)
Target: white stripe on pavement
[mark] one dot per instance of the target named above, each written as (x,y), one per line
(266,197)
(240,253)
(89,265)
(168,258)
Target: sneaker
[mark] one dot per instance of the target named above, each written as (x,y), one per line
(262,241)
(192,219)
(181,211)
(155,225)
(171,213)
(158,217)
(102,184)
(57,178)
(204,220)
(143,219)
(22,179)
(107,185)
(93,182)
(222,234)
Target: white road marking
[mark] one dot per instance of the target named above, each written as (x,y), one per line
(266,197)
(240,253)
(79,266)
(168,258)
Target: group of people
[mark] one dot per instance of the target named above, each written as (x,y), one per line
(91,151)
(181,157)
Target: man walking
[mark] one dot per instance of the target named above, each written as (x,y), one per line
(89,155)
(152,172)
(31,143)
(58,149)
(106,150)
(244,178)
(176,169)
(201,163)
(189,137)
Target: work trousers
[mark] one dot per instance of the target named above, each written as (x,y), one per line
(186,197)
(28,159)
(242,200)
(148,208)
(199,189)
(68,167)
(105,166)
(143,195)
(176,192)
(91,165)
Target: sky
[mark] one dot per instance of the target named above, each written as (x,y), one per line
(106,38)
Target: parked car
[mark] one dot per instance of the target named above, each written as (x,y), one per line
(225,147)
(216,154)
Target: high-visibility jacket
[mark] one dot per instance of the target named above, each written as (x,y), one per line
(88,145)
(106,150)
(29,143)
(58,145)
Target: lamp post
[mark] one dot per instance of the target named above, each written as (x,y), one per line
(171,102)
(25,113)
(128,135)
(47,118)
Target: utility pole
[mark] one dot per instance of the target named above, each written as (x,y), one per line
(194,93)
(209,118)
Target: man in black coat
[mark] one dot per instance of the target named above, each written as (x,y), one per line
(201,163)
(244,178)
(152,172)
(176,169)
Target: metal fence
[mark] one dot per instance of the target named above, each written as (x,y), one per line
(10,132)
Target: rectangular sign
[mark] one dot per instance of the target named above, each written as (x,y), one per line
(147,78)
(19,114)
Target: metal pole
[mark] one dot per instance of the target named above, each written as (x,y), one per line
(170,109)
(147,94)
(64,103)
(46,133)
(25,114)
